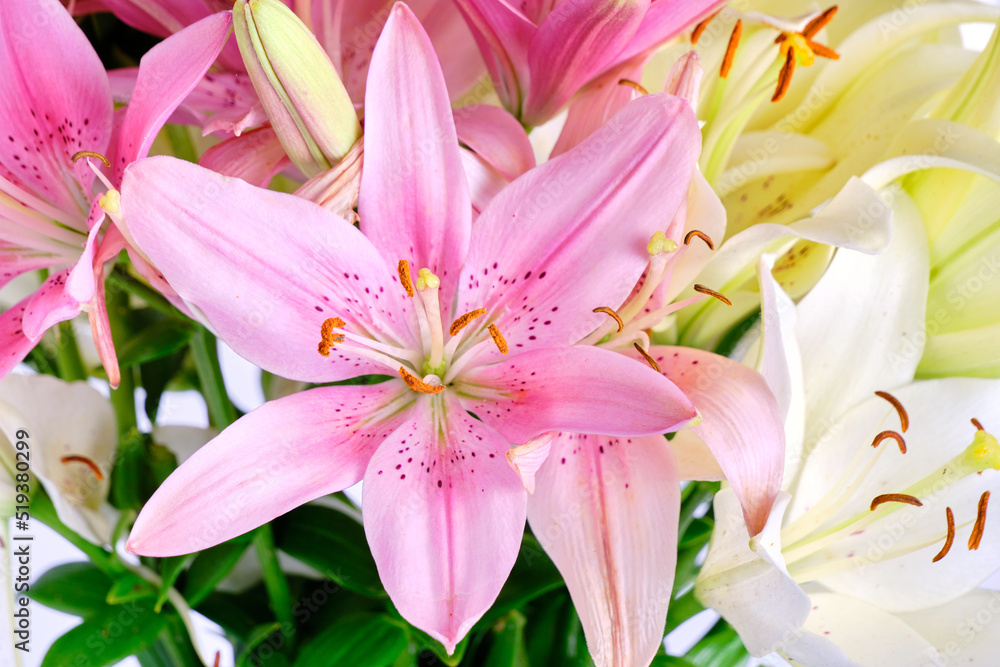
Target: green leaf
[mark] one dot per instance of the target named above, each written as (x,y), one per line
(211,566)
(109,637)
(73,588)
(333,543)
(554,634)
(670,661)
(533,575)
(697,533)
(170,569)
(155,377)
(127,474)
(508,642)
(129,587)
(263,648)
(721,647)
(159,340)
(361,640)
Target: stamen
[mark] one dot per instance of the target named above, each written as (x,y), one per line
(499,339)
(977,531)
(82,154)
(904,419)
(645,355)
(734,41)
(785,77)
(330,339)
(895,498)
(975,422)
(890,434)
(464,320)
(416,384)
(85,461)
(633,84)
(949,539)
(613,315)
(819,22)
(821,50)
(711,292)
(404,277)
(700,234)
(218,657)
(699,29)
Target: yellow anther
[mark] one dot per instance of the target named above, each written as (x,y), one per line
(498,338)
(613,315)
(462,321)
(659,243)
(418,385)
(645,355)
(111,202)
(404,277)
(427,280)
(82,154)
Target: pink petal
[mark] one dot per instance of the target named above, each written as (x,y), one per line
(599,101)
(444,515)
(580,389)
(452,38)
(56,101)
(414,201)
(741,425)
(606,513)
(159,17)
(526,459)
(167,73)
(80,282)
(497,137)
(254,156)
(266,288)
(664,20)
(553,245)
(50,304)
(684,78)
(485,182)
(576,42)
(336,189)
(14,345)
(503,35)
(281,455)
(100,329)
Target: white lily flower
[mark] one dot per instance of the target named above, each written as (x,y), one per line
(843,574)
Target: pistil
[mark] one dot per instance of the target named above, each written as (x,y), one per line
(427,286)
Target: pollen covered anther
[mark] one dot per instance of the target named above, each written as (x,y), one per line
(634,85)
(711,292)
(329,338)
(418,385)
(463,320)
(977,530)
(404,277)
(645,355)
(85,461)
(819,22)
(785,77)
(884,435)
(949,538)
(734,41)
(82,154)
(904,419)
(895,498)
(701,235)
(613,315)
(498,338)
(699,29)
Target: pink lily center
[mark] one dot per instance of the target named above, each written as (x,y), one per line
(436,363)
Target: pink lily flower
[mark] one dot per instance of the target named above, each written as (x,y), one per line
(56,104)
(540,52)
(273,274)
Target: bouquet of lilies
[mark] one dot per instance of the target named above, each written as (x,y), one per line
(608,315)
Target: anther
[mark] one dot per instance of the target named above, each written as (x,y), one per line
(464,320)
(785,77)
(404,277)
(734,41)
(613,315)
(82,154)
(884,435)
(699,29)
(498,339)
(218,657)
(711,292)
(700,234)
(85,461)
(416,384)
(950,537)
(904,419)
(645,355)
(895,498)
(977,530)
(633,84)
(975,422)
(329,338)
(819,22)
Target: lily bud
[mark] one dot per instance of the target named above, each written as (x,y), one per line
(297,84)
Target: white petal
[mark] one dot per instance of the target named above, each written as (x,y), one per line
(962,630)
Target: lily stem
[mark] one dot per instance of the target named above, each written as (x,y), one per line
(206,361)
(43,510)
(119,279)
(68,355)
(275,581)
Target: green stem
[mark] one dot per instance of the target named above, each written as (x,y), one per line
(122,398)
(121,280)
(43,510)
(275,581)
(68,355)
(206,361)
